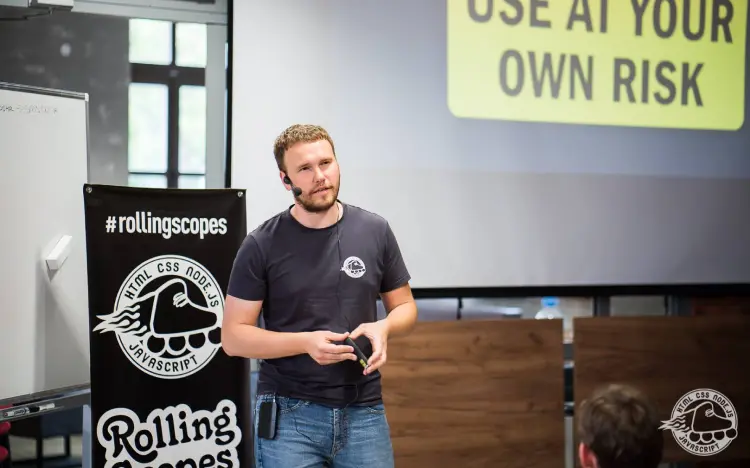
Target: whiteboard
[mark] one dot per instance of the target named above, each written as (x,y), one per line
(43,167)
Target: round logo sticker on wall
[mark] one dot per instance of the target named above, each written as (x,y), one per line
(167,317)
(704,422)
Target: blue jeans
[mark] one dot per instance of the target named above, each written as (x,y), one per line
(314,436)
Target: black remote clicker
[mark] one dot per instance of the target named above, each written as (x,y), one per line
(360,355)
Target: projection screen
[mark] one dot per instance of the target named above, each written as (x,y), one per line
(516,142)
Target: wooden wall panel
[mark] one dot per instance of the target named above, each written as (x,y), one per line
(668,357)
(477,394)
(721,306)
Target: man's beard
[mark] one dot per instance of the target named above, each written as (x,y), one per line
(312,204)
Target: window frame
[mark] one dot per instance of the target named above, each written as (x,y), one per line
(173,77)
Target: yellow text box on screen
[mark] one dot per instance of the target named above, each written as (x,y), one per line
(620,72)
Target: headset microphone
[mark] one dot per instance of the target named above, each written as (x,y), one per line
(295,190)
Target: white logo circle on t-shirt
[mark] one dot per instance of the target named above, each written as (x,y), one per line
(354,267)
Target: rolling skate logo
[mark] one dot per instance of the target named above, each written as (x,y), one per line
(354,267)
(703,422)
(167,317)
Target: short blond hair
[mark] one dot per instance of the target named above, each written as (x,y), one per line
(298,133)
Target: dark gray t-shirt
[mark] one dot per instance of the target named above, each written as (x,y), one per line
(319,279)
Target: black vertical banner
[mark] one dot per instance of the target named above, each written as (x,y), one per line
(163,392)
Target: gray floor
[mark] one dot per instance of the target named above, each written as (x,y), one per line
(23,451)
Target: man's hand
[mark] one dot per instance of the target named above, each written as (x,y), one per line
(322,347)
(377,333)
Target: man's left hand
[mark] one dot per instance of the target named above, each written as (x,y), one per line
(377,333)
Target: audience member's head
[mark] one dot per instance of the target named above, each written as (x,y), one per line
(618,427)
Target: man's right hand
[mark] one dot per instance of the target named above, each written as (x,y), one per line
(323,348)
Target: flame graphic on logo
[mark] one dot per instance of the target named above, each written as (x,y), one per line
(678,423)
(123,322)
